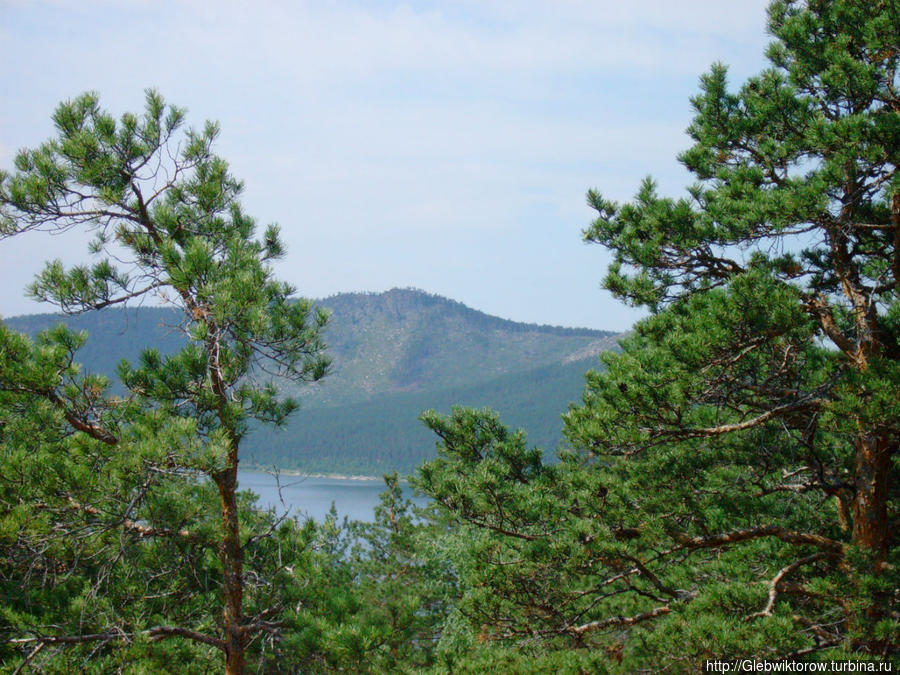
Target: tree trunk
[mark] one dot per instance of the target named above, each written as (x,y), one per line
(871,528)
(872,531)
(231,556)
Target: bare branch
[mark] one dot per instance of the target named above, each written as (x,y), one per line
(118,300)
(777,579)
(134,527)
(155,633)
(620,621)
(92,430)
(819,308)
(28,659)
(736,536)
(163,632)
(72,639)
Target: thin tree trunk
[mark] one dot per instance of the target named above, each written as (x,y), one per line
(230,553)
(231,556)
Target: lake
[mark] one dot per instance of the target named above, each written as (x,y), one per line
(313,496)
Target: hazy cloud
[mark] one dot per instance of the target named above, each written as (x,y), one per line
(436,144)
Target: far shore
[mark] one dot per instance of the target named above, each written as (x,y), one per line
(304,474)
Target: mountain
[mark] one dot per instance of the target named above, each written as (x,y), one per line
(409,340)
(394,354)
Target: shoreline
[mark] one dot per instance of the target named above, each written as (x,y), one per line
(304,474)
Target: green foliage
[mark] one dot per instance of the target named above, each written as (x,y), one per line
(485,659)
(168,224)
(78,549)
(406,586)
(357,597)
(730,489)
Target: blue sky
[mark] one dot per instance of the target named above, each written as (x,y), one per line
(442,145)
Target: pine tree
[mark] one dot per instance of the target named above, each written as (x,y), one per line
(795,224)
(774,351)
(168,225)
(731,485)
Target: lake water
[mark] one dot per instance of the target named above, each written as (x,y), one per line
(312,496)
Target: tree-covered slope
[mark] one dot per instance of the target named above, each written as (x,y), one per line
(408,340)
(113,334)
(384,434)
(394,354)
(399,340)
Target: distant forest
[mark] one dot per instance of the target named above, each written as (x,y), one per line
(396,354)
(384,435)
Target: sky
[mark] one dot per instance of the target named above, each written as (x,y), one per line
(446,146)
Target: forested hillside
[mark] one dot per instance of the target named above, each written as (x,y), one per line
(409,340)
(384,434)
(395,354)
